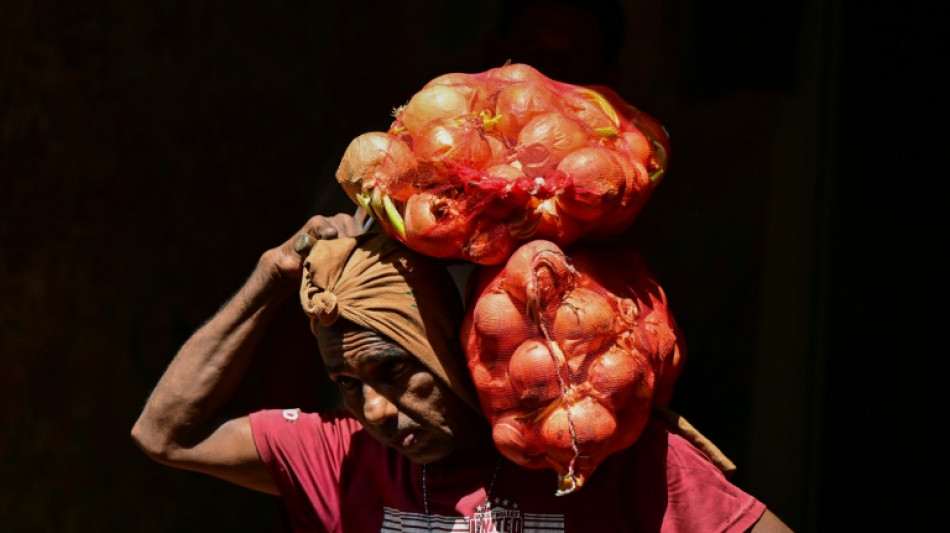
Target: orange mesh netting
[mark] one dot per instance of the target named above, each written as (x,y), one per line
(568,354)
(476,164)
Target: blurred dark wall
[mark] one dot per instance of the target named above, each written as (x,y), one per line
(149,154)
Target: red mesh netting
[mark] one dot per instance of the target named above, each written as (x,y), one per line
(476,164)
(569,353)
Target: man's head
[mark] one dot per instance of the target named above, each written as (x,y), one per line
(399,401)
(386,320)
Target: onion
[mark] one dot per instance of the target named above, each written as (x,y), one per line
(556,225)
(512,437)
(434,225)
(499,324)
(489,244)
(501,178)
(534,373)
(470,87)
(505,172)
(452,141)
(584,323)
(494,390)
(434,103)
(545,140)
(557,133)
(593,426)
(499,149)
(372,158)
(616,376)
(597,181)
(590,109)
(516,73)
(539,277)
(636,144)
(519,103)
(657,135)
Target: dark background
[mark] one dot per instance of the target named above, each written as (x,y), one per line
(149,154)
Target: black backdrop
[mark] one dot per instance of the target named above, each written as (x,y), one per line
(149,154)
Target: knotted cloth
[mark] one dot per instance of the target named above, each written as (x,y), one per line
(379,284)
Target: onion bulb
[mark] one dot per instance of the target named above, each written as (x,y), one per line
(597,181)
(499,324)
(534,373)
(617,375)
(434,225)
(636,144)
(494,390)
(584,323)
(519,103)
(471,88)
(489,244)
(373,158)
(593,425)
(556,132)
(516,73)
(513,439)
(433,103)
(452,141)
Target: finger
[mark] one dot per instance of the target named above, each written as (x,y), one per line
(327,232)
(303,243)
(359,217)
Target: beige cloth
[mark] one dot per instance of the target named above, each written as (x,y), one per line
(379,284)
(697,439)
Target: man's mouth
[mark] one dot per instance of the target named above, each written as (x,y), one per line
(406,440)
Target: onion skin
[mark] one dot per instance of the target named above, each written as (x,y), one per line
(516,442)
(519,271)
(553,136)
(489,244)
(597,182)
(519,103)
(584,323)
(534,373)
(434,226)
(433,103)
(593,426)
(456,140)
(500,324)
(616,376)
(469,87)
(374,158)
(516,73)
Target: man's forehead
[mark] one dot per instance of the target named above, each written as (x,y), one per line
(345,344)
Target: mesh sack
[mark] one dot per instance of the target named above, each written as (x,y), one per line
(569,354)
(476,164)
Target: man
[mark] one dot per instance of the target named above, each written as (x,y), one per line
(413,453)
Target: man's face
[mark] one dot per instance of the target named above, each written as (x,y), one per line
(396,398)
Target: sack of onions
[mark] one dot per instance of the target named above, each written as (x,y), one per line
(569,353)
(476,164)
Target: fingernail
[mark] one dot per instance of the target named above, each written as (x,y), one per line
(303,243)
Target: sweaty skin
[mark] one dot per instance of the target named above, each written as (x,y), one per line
(396,399)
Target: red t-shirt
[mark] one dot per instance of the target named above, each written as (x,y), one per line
(333,476)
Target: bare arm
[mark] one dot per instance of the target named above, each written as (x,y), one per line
(769,523)
(180,424)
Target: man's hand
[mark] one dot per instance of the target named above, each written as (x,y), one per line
(285,262)
(183,423)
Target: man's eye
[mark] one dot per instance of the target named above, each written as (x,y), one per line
(396,368)
(347,383)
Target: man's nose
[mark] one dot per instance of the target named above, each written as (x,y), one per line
(376,407)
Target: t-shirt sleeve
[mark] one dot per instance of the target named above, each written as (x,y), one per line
(699,496)
(303,453)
